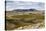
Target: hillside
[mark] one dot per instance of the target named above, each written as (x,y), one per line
(24,19)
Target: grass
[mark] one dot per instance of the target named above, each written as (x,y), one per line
(22,22)
(27,16)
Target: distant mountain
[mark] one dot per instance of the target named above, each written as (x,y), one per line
(21,10)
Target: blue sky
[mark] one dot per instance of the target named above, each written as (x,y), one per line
(11,5)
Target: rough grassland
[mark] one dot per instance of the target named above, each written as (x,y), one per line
(25,21)
(30,21)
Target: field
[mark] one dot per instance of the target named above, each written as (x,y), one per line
(25,21)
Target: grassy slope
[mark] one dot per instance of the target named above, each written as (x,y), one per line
(22,22)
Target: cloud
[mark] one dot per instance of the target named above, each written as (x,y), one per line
(24,5)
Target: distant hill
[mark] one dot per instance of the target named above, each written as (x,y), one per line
(21,10)
(24,10)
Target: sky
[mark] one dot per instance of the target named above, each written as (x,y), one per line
(28,0)
(11,5)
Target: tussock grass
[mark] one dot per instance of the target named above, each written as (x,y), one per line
(20,20)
